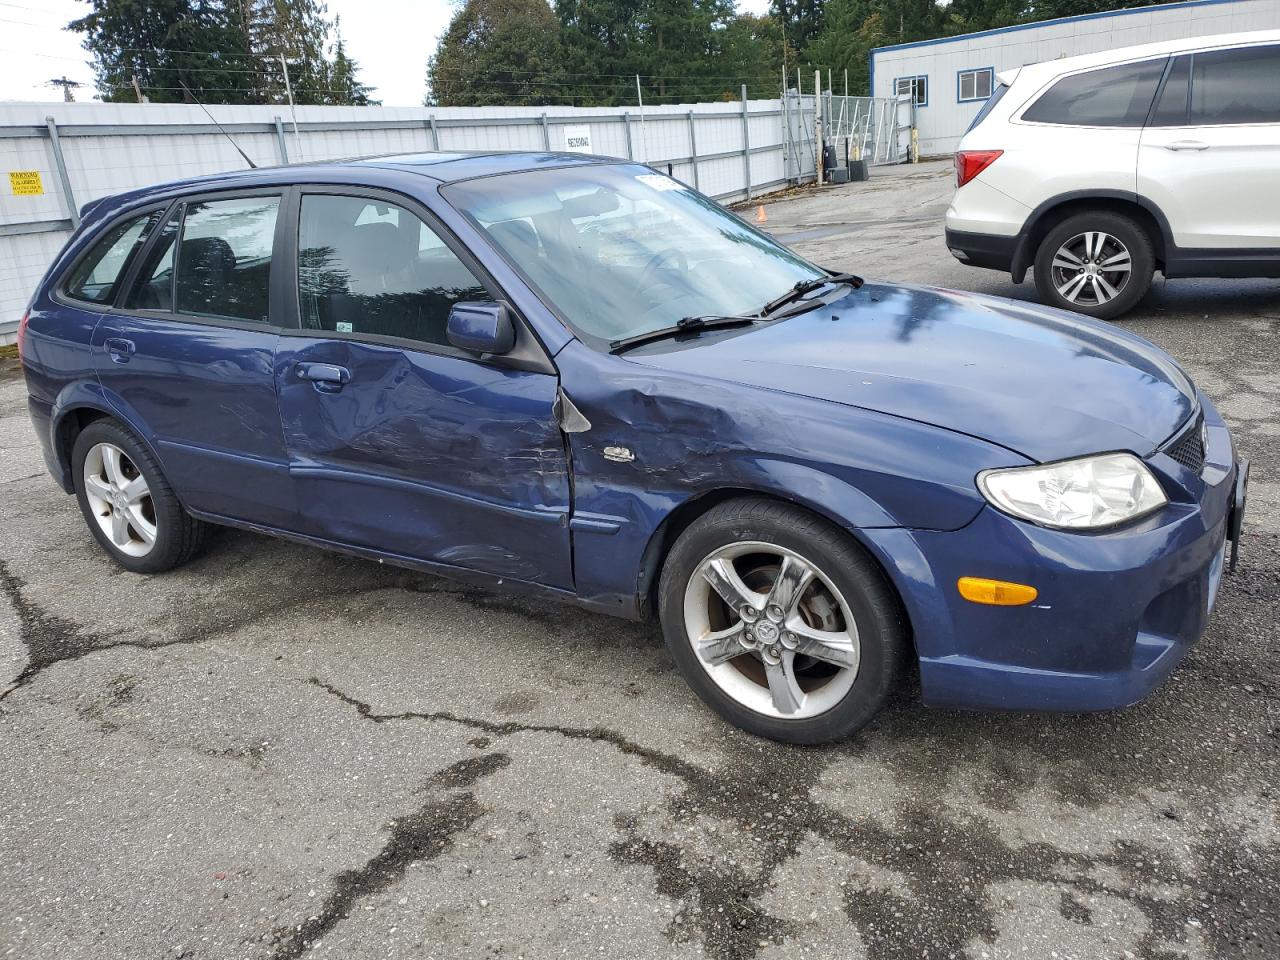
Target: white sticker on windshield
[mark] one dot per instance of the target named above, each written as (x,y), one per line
(659,182)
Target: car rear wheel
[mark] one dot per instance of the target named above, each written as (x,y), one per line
(127,502)
(1098,263)
(780,622)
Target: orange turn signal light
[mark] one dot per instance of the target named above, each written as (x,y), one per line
(997,593)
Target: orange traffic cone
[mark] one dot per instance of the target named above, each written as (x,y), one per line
(761,216)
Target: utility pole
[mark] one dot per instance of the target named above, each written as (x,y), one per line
(644,146)
(293,114)
(137,89)
(817,121)
(67,86)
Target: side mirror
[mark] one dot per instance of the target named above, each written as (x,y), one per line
(481,327)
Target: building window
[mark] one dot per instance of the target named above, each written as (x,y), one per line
(975,84)
(915,87)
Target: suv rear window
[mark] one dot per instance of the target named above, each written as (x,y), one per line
(95,277)
(1236,86)
(1111,97)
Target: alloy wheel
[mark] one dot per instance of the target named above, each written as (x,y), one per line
(771,630)
(1091,268)
(120,499)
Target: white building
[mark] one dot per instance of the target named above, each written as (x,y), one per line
(950,77)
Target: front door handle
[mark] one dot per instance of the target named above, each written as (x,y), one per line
(1187,145)
(119,349)
(326,377)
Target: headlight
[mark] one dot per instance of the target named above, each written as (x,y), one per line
(1082,494)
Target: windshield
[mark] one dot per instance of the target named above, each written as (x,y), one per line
(619,250)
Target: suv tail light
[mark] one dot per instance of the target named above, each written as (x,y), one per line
(22,332)
(970,163)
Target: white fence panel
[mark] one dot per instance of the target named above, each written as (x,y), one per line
(110,148)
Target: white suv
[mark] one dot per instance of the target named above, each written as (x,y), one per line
(1101,169)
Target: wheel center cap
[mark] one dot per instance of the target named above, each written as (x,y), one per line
(767,632)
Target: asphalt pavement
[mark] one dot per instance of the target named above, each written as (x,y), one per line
(276,752)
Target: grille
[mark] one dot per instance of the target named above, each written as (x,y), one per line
(1188,449)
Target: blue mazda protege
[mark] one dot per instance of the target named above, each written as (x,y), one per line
(580,378)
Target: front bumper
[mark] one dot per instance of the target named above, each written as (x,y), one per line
(1116,611)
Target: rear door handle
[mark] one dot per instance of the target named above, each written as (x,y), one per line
(328,377)
(1187,145)
(119,349)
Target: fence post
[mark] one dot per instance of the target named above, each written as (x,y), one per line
(435,132)
(546,134)
(626,122)
(693,151)
(746,142)
(280,144)
(73,212)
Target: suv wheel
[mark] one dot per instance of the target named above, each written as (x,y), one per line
(1096,263)
(780,622)
(127,502)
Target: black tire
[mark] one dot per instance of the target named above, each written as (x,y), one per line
(1127,232)
(881,626)
(178,537)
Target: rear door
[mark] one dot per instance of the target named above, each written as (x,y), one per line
(187,354)
(398,441)
(1210,156)
(1081,132)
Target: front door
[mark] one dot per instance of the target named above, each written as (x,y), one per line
(188,356)
(397,441)
(1210,154)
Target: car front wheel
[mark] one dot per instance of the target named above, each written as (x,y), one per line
(1097,263)
(127,502)
(780,622)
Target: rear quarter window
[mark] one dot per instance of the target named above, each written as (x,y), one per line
(1111,97)
(1236,86)
(95,277)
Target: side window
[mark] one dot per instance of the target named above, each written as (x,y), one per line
(95,276)
(1236,86)
(974,84)
(1171,109)
(1111,97)
(365,266)
(153,288)
(915,87)
(224,258)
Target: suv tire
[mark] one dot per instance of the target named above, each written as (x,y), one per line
(1103,260)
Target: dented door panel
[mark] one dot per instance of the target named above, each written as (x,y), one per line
(428,456)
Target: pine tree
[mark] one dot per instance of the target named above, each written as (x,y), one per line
(166,44)
(288,37)
(343,86)
(498,52)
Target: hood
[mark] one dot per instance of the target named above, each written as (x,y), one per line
(1041,382)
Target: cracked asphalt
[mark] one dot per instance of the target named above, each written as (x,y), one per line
(276,752)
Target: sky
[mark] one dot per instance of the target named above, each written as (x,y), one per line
(390,39)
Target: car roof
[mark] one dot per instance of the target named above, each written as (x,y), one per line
(440,166)
(1053,68)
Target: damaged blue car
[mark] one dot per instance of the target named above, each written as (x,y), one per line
(579,378)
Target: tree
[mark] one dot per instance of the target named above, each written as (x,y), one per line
(498,52)
(295,32)
(343,86)
(801,20)
(223,51)
(165,44)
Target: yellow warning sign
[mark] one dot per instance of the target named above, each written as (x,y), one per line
(25,183)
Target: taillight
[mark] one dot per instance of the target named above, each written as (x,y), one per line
(970,163)
(22,332)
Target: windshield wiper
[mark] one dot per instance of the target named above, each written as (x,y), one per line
(685,325)
(808,286)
